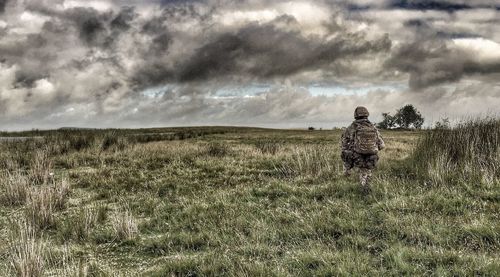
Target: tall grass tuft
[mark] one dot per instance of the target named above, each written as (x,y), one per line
(15,188)
(41,167)
(268,147)
(84,222)
(217,149)
(40,208)
(81,141)
(113,141)
(125,226)
(62,142)
(309,161)
(60,192)
(27,252)
(470,151)
(43,202)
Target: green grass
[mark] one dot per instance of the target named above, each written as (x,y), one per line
(467,153)
(240,201)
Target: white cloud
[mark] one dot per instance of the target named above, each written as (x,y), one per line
(238,18)
(477,15)
(310,15)
(98,5)
(44,88)
(484,50)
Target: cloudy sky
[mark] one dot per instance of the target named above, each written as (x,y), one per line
(131,63)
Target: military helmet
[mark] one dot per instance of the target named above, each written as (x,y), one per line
(361,112)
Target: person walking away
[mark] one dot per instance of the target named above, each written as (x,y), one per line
(361,143)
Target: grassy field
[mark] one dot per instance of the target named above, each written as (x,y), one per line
(243,202)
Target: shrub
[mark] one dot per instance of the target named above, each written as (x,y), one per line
(470,150)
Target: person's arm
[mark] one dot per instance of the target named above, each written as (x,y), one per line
(347,139)
(380,141)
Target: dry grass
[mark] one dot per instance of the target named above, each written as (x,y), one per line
(64,262)
(468,152)
(44,201)
(166,152)
(268,147)
(216,149)
(15,189)
(68,265)
(84,222)
(60,194)
(41,167)
(125,226)
(310,161)
(112,141)
(40,209)
(27,252)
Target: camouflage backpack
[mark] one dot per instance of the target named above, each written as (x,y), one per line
(365,139)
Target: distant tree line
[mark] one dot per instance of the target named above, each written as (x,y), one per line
(407,117)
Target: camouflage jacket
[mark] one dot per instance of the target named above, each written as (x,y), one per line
(348,136)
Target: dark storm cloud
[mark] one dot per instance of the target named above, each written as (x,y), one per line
(255,52)
(266,52)
(428,63)
(152,75)
(27,78)
(100,28)
(433,62)
(3,3)
(95,28)
(449,6)
(423,27)
(117,61)
(172,2)
(32,56)
(89,23)
(123,20)
(428,5)
(153,70)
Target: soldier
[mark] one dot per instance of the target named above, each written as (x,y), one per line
(361,142)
